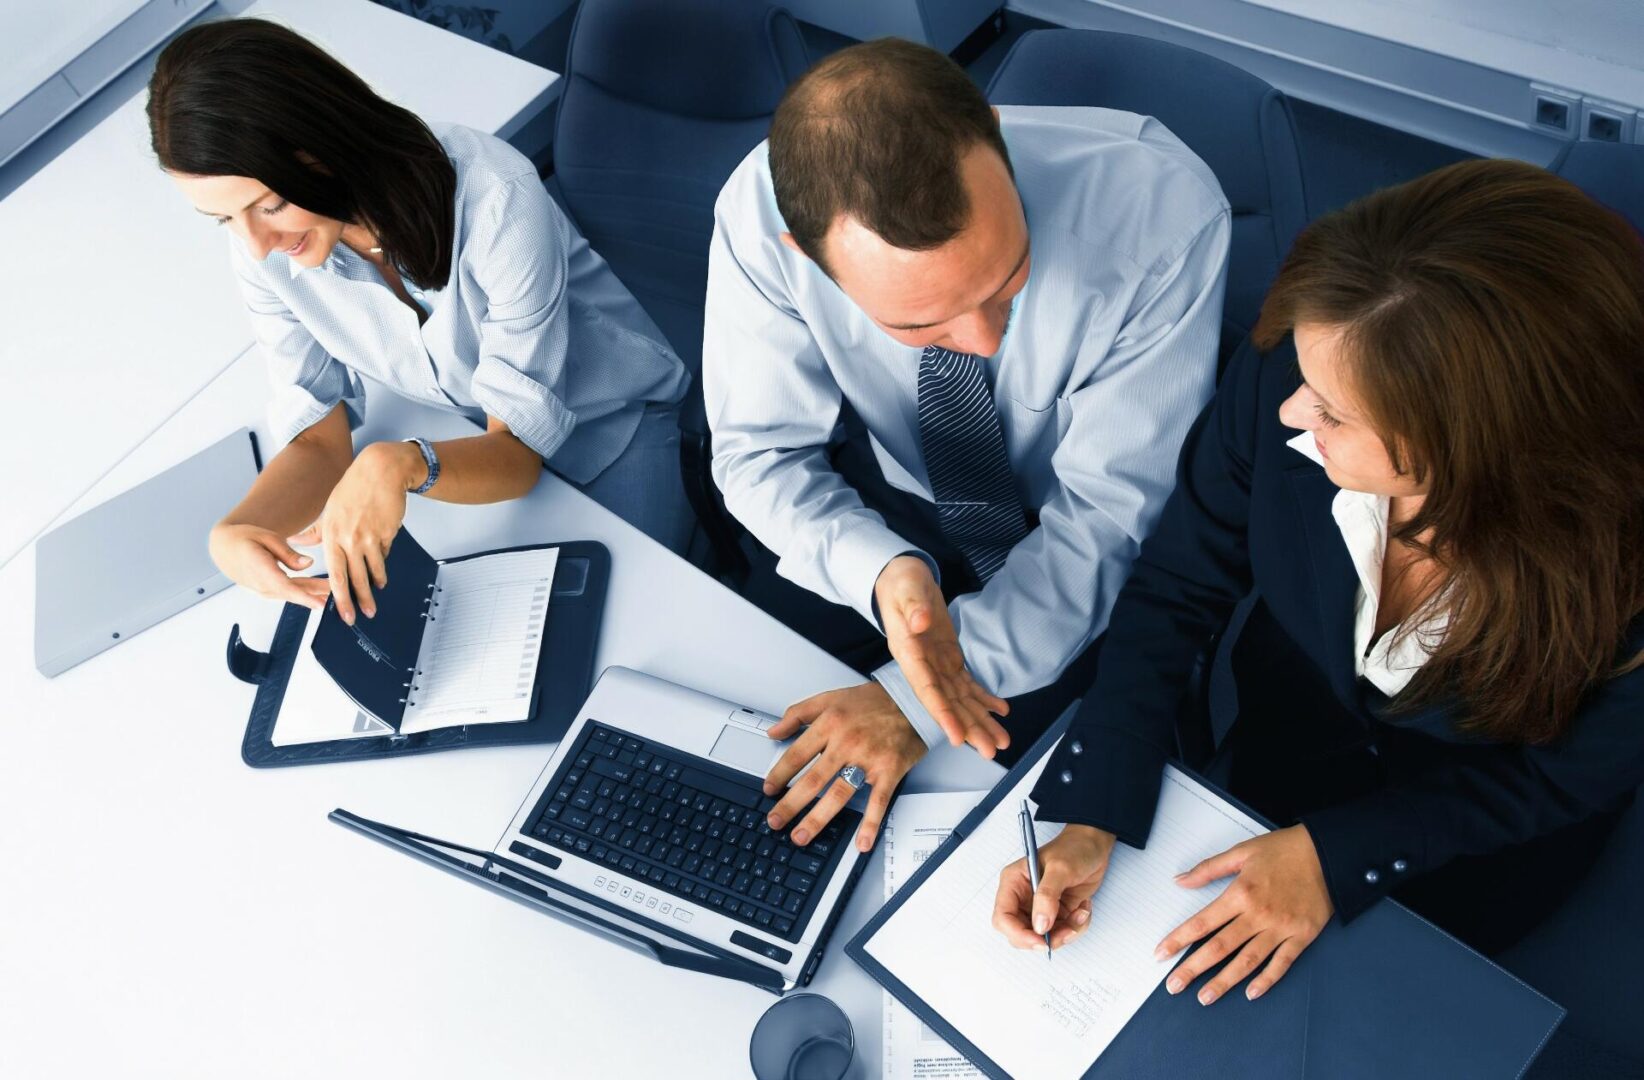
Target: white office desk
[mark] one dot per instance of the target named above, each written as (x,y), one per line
(168,912)
(118,300)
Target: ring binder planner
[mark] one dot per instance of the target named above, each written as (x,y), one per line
(489,649)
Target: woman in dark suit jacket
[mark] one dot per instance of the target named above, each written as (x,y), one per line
(1433,494)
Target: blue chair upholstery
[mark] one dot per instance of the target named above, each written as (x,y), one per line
(1239,125)
(1588,955)
(1612,173)
(662,99)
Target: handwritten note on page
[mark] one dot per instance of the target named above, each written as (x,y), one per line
(1051,1019)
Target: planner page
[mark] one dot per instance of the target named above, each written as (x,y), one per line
(1052,1018)
(478,661)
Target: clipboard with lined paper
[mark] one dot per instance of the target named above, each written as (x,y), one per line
(1099,1008)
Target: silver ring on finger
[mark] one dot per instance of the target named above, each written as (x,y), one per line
(854,775)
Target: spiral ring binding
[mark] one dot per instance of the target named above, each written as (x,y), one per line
(427,613)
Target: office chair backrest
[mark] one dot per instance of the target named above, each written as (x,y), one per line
(1239,125)
(662,99)
(1612,173)
(1592,941)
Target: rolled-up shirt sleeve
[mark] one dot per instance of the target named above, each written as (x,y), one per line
(307,381)
(518,255)
(772,404)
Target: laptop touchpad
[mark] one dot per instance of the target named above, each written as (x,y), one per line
(743,749)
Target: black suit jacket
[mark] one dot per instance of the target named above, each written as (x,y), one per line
(1250,513)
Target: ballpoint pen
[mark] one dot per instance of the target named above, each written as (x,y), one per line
(1032,845)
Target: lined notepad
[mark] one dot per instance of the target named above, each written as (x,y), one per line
(478,660)
(1052,1019)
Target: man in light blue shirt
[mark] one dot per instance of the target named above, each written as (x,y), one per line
(1019,310)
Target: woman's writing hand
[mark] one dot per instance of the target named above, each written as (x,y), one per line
(1071,867)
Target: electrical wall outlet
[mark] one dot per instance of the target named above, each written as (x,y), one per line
(1554,110)
(1605,121)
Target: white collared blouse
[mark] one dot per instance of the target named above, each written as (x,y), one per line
(1391,661)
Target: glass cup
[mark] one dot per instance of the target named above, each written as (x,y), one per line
(802,1037)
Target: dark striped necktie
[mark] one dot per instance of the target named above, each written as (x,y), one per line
(970,478)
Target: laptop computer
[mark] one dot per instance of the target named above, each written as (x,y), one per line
(648,824)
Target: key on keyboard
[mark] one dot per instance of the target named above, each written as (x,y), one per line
(687,826)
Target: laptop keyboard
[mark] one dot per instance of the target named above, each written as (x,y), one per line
(689,826)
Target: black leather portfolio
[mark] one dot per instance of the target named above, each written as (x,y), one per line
(375,661)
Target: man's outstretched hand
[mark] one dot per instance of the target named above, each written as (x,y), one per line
(922,640)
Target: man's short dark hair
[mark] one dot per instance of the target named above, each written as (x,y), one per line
(876,132)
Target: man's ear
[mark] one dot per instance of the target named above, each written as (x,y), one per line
(792,244)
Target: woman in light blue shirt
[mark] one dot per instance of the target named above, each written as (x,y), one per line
(429,260)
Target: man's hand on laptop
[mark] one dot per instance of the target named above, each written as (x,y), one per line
(858,725)
(925,645)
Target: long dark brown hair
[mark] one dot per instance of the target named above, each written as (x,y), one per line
(247,97)
(1493,318)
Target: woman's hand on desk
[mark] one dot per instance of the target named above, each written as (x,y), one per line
(1275,907)
(1071,867)
(360,521)
(258,559)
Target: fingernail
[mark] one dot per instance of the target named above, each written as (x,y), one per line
(864,844)
(1253,992)
(1081,917)
(1160,953)
(1206,996)
(1040,924)
(1174,985)
(774,821)
(1181,876)
(303,560)
(371,613)
(800,836)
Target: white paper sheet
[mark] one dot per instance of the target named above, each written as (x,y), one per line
(1042,1018)
(478,662)
(915,829)
(314,708)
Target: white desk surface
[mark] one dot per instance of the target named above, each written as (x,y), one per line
(119,303)
(168,912)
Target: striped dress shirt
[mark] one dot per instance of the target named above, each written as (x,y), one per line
(1110,353)
(532,327)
